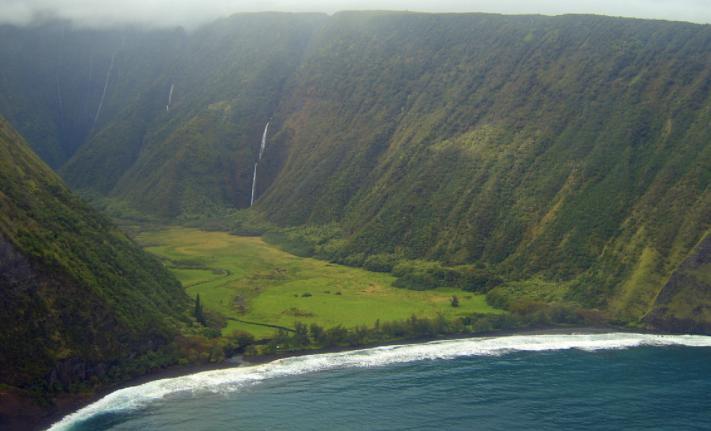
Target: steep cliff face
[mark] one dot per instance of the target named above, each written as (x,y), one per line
(198,157)
(572,149)
(684,304)
(77,296)
(138,114)
(64,84)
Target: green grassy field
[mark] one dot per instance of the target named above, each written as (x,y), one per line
(244,278)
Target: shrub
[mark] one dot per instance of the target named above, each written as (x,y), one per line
(380,262)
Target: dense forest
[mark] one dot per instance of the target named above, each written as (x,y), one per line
(80,300)
(574,149)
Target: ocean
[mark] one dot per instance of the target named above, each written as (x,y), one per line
(526,382)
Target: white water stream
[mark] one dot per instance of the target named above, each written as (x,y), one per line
(106,85)
(170,97)
(262,147)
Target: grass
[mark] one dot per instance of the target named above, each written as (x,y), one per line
(247,279)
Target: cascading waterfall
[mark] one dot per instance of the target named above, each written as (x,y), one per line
(60,102)
(254,184)
(170,97)
(88,86)
(264,141)
(106,85)
(262,147)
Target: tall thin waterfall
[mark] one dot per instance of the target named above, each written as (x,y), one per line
(60,102)
(170,97)
(262,147)
(88,86)
(264,142)
(106,85)
(254,184)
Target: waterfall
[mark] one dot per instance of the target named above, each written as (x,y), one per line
(170,97)
(106,85)
(262,147)
(60,102)
(254,184)
(264,141)
(57,68)
(88,86)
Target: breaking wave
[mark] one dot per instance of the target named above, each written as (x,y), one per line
(233,379)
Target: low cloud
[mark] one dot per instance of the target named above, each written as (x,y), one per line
(191,13)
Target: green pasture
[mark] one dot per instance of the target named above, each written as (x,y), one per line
(248,280)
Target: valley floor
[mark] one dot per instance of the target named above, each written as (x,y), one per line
(258,287)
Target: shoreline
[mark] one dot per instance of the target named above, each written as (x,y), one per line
(70,403)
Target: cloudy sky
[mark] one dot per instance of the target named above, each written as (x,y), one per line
(190,13)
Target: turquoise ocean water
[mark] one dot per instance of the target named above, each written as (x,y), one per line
(528,382)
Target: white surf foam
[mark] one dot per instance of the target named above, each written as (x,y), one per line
(233,379)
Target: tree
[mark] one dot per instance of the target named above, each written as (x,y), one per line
(199,313)
(454,301)
(316,332)
(301,336)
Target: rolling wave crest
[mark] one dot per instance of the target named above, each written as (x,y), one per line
(230,380)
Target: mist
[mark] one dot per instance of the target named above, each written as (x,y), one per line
(192,13)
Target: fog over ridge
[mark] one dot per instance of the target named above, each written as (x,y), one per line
(192,13)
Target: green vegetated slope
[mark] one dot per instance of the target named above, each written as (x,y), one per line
(198,154)
(77,296)
(683,302)
(573,148)
(569,150)
(254,284)
(94,105)
(64,84)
